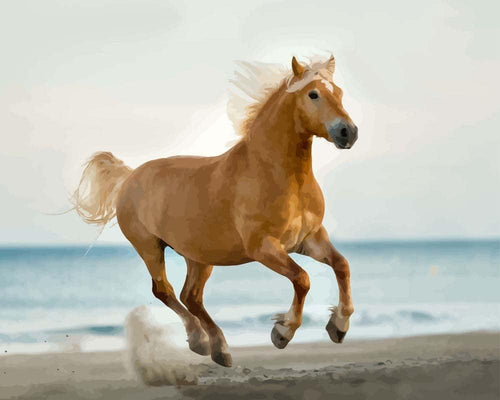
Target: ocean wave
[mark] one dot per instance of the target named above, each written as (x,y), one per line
(104,330)
(57,335)
(363,318)
(254,322)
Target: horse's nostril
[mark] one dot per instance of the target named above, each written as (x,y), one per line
(343,132)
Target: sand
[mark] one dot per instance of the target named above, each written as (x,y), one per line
(464,366)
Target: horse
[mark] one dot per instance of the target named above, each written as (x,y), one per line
(258,201)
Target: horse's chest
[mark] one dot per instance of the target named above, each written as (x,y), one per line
(298,228)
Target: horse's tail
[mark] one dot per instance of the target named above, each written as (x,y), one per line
(96,196)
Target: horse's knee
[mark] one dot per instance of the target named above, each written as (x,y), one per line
(301,282)
(340,266)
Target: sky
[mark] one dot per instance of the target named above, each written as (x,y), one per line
(150,79)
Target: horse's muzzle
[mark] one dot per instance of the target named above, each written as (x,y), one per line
(343,134)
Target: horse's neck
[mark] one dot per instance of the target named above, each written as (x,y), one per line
(273,139)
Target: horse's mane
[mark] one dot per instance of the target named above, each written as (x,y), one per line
(254,82)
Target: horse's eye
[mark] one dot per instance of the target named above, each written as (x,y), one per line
(313,94)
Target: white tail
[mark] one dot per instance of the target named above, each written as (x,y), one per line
(96,196)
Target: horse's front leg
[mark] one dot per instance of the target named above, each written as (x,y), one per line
(271,254)
(319,247)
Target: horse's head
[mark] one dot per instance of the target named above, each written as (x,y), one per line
(319,109)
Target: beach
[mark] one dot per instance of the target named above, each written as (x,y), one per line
(62,332)
(459,366)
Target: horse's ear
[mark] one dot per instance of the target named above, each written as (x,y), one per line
(330,64)
(298,69)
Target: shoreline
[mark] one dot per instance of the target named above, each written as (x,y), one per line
(467,365)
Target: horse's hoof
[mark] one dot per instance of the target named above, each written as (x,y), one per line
(201,348)
(278,339)
(223,359)
(336,335)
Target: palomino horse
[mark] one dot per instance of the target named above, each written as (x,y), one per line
(259,201)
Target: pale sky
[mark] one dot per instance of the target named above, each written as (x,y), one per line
(149,79)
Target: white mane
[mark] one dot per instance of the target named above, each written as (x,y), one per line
(253,83)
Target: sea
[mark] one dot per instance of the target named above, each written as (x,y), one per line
(70,298)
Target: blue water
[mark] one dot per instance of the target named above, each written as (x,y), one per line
(61,298)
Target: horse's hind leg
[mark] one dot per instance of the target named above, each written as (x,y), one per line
(151,249)
(192,297)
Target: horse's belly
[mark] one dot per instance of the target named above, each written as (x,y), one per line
(204,240)
(212,253)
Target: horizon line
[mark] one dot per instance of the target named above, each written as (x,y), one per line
(340,241)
